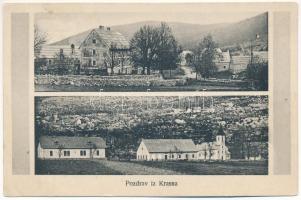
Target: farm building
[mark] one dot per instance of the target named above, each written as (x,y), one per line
(222,60)
(100,49)
(61,147)
(239,63)
(167,149)
(214,150)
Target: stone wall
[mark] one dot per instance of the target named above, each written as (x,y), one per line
(108,81)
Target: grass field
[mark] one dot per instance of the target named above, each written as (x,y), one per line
(72,167)
(105,167)
(214,168)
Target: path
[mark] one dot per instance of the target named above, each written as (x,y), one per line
(188,72)
(129,168)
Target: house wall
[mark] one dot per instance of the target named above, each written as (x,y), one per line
(222,66)
(74,153)
(143,154)
(101,56)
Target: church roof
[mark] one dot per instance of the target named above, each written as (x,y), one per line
(206,145)
(169,145)
(55,142)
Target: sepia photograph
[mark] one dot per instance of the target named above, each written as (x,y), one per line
(124,52)
(151,135)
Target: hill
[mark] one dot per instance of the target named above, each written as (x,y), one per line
(225,34)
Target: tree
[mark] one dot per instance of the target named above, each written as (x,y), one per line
(167,50)
(189,59)
(40,38)
(143,46)
(257,72)
(154,48)
(204,57)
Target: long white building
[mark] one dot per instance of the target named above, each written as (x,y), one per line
(167,149)
(60,147)
(183,149)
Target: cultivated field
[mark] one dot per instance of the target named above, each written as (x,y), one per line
(105,167)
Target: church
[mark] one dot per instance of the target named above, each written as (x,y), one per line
(183,149)
(214,150)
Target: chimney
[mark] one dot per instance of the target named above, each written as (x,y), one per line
(101,27)
(108,28)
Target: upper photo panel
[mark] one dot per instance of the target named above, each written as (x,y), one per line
(153,52)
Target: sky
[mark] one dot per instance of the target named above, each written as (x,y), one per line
(61,25)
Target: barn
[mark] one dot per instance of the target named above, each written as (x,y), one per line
(62,147)
(167,149)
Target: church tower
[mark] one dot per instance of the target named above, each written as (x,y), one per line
(220,137)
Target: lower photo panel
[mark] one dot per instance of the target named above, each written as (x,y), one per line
(151,135)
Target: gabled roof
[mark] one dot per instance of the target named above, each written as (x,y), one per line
(56,142)
(240,59)
(222,56)
(75,39)
(169,145)
(263,55)
(108,37)
(50,51)
(114,38)
(205,146)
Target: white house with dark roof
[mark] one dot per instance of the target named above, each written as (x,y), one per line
(167,149)
(61,147)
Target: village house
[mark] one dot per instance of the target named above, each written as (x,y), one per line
(100,50)
(222,60)
(61,147)
(167,149)
(214,150)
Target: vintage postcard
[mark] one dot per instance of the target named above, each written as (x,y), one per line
(143,99)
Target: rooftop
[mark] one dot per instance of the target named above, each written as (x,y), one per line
(56,142)
(169,145)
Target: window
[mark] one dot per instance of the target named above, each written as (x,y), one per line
(97,152)
(51,153)
(179,156)
(186,156)
(93,52)
(94,41)
(224,67)
(172,156)
(66,153)
(94,62)
(83,153)
(49,62)
(165,157)
(193,155)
